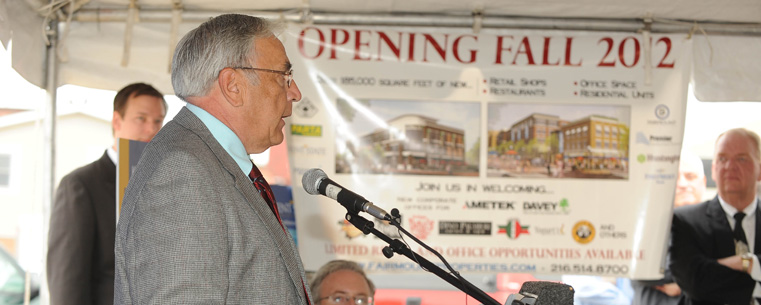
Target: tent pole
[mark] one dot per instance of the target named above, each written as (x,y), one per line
(439,20)
(49,145)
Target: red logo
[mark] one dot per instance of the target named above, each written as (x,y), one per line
(421,226)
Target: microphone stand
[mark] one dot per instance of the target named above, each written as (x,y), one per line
(395,245)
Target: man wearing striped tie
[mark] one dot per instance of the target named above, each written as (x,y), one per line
(716,244)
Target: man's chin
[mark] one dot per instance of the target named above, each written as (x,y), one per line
(277,139)
(684,201)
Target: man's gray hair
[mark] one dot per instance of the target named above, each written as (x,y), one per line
(333,266)
(756,141)
(224,41)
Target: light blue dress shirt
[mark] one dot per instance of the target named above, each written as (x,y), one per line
(226,137)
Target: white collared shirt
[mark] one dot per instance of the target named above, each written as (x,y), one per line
(112,155)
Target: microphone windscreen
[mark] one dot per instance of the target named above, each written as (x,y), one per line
(549,293)
(311,179)
(533,287)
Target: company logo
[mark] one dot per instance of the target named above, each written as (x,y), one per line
(652,139)
(350,231)
(306,130)
(564,205)
(609,231)
(642,158)
(489,205)
(513,229)
(551,230)
(308,150)
(660,176)
(662,112)
(305,108)
(547,207)
(583,232)
(641,139)
(464,228)
(421,226)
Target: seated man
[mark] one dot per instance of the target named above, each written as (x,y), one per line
(340,281)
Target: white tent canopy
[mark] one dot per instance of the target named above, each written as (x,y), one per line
(108,43)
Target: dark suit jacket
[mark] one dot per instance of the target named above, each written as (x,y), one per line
(194,229)
(80,263)
(700,235)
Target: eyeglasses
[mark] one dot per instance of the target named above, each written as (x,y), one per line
(288,74)
(340,298)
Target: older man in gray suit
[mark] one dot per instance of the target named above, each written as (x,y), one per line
(198,222)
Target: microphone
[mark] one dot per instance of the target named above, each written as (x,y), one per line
(542,293)
(316,182)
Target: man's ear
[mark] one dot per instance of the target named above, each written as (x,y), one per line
(116,122)
(231,85)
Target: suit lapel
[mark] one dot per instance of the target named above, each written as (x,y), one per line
(721,230)
(757,246)
(107,171)
(243,183)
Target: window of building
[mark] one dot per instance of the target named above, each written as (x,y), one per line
(598,143)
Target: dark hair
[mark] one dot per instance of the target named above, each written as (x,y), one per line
(135,90)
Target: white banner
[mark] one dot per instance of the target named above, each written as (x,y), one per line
(506,151)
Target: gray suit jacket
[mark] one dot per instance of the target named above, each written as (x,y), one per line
(80,264)
(194,230)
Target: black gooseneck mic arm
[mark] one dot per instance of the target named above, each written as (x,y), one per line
(395,245)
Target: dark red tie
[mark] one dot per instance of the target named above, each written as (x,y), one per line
(264,188)
(266,191)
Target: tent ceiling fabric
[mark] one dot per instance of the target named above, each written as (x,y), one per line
(92,50)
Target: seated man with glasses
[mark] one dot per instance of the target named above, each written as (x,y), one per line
(341,282)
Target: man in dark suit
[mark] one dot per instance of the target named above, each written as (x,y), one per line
(715,244)
(80,262)
(199,224)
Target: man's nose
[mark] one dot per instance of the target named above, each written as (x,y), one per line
(294,94)
(152,129)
